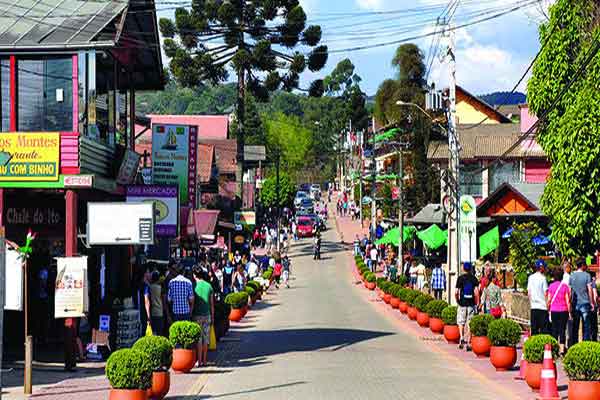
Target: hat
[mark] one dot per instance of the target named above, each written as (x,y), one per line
(467,266)
(540,264)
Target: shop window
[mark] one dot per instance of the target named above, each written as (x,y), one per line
(504,172)
(471,179)
(4,95)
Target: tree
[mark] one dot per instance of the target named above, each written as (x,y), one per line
(252,38)
(253,126)
(287,191)
(570,133)
(522,251)
(289,139)
(341,79)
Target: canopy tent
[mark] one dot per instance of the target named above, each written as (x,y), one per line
(387,135)
(393,236)
(380,178)
(489,241)
(433,237)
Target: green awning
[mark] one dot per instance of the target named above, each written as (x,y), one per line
(387,135)
(393,236)
(433,237)
(489,241)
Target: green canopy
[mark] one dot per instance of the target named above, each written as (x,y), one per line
(387,135)
(489,241)
(393,236)
(433,237)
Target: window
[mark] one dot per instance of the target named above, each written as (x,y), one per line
(505,172)
(471,179)
(45,94)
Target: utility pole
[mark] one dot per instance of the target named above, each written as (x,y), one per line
(277,197)
(400,207)
(373,186)
(360,182)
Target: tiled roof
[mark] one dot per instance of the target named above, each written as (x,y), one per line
(225,154)
(205,162)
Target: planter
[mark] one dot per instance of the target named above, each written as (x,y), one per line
(244,311)
(412,313)
(161,383)
(365,284)
(127,394)
(403,307)
(371,285)
(395,302)
(387,298)
(236,314)
(183,360)
(451,333)
(533,375)
(584,390)
(381,294)
(436,325)
(423,319)
(503,358)
(481,346)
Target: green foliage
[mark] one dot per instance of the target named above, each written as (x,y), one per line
(287,191)
(504,333)
(478,325)
(250,290)
(522,252)
(420,303)
(533,348)
(402,280)
(254,285)
(370,277)
(411,296)
(158,349)
(409,62)
(570,133)
(237,300)
(267,275)
(582,362)
(129,369)
(254,130)
(403,294)
(449,315)
(434,308)
(184,334)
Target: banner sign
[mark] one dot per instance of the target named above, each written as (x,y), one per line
(129,168)
(29,156)
(71,296)
(174,149)
(244,218)
(13,284)
(468,228)
(165,199)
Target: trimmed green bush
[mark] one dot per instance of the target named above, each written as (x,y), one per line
(533,349)
(396,291)
(251,292)
(370,277)
(504,333)
(237,300)
(402,293)
(478,325)
(184,334)
(434,308)
(159,350)
(379,281)
(129,369)
(254,285)
(582,361)
(411,296)
(449,315)
(421,301)
(402,280)
(267,275)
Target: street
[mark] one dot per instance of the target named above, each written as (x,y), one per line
(322,339)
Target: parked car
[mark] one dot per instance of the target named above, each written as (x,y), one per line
(300,195)
(306,205)
(305,226)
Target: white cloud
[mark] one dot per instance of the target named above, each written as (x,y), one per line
(372,4)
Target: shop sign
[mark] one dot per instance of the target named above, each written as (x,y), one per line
(78,181)
(468,228)
(29,156)
(174,155)
(147,176)
(244,218)
(47,216)
(71,289)
(239,239)
(120,223)
(165,199)
(129,167)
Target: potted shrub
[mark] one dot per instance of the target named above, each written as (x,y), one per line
(370,279)
(251,294)
(582,365)
(382,287)
(387,296)
(410,298)
(257,289)
(237,302)
(402,293)
(183,336)
(395,300)
(130,375)
(160,352)
(533,351)
(434,310)
(451,332)
(420,304)
(478,326)
(504,335)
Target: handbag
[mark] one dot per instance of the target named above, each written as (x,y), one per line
(552,301)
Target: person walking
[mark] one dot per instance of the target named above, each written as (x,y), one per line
(157,320)
(239,279)
(438,281)
(467,297)
(180,296)
(373,258)
(421,272)
(537,286)
(491,298)
(203,312)
(581,300)
(277,271)
(285,275)
(558,299)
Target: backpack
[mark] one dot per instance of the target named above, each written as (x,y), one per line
(468,290)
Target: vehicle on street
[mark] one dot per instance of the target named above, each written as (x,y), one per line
(300,195)
(305,226)
(306,205)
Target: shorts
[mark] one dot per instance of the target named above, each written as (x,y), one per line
(285,275)
(204,322)
(464,314)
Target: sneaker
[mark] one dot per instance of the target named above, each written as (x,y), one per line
(461,345)
(468,348)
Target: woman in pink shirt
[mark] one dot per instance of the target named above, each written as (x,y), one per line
(558,298)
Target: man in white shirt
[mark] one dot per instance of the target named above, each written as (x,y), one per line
(537,286)
(373,257)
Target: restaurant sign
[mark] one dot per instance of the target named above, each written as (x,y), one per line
(29,156)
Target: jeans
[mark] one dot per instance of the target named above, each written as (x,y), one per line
(559,325)
(356,250)
(539,321)
(581,313)
(158,325)
(437,293)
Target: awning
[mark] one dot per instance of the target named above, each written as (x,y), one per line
(433,237)
(489,241)
(387,135)
(393,236)
(202,222)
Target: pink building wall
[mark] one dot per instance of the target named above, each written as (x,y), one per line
(527,119)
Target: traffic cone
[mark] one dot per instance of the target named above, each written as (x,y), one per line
(523,363)
(548,387)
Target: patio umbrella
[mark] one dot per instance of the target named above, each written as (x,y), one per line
(433,237)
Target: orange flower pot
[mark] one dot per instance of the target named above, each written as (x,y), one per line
(183,360)
(412,313)
(395,302)
(381,294)
(236,314)
(403,307)
(451,333)
(533,375)
(371,285)
(584,390)
(436,325)
(481,346)
(128,394)
(503,358)
(161,383)
(387,298)
(423,319)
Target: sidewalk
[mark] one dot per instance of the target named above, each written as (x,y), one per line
(479,368)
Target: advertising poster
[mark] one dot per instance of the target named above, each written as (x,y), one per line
(71,295)
(166,201)
(174,149)
(468,229)
(14,281)
(29,156)
(244,218)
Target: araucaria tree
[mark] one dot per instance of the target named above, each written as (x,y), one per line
(570,133)
(254,38)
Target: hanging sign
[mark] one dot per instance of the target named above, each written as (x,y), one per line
(71,289)
(13,281)
(29,156)
(165,199)
(468,228)
(129,168)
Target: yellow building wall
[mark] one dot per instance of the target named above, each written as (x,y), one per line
(466,113)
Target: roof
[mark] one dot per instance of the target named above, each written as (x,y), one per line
(530,192)
(225,154)
(501,117)
(209,126)
(510,110)
(430,214)
(205,162)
